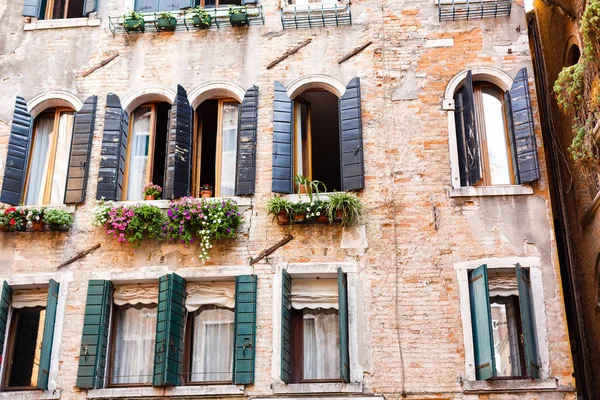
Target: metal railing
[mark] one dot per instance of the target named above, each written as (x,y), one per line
(455,10)
(315,15)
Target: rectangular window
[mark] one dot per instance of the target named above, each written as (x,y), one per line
(218,3)
(59,9)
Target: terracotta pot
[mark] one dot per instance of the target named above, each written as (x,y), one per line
(37,225)
(150,197)
(4,228)
(301,189)
(322,219)
(299,217)
(282,218)
(338,214)
(206,194)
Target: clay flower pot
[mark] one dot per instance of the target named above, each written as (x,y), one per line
(322,219)
(37,225)
(283,218)
(206,194)
(299,217)
(150,197)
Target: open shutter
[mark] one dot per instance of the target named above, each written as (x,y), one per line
(179,148)
(170,326)
(81,147)
(525,304)
(351,140)
(94,340)
(4,307)
(282,141)
(481,320)
(90,6)
(466,134)
(18,154)
(286,327)
(343,318)
(31,8)
(522,134)
(246,144)
(114,150)
(48,335)
(244,329)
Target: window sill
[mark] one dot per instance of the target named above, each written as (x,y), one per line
(63,207)
(308,388)
(178,391)
(243,202)
(514,386)
(476,191)
(588,216)
(61,23)
(31,395)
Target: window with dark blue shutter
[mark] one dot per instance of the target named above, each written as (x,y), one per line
(282,169)
(351,139)
(48,335)
(4,308)
(466,134)
(244,329)
(32,8)
(179,148)
(481,323)
(246,144)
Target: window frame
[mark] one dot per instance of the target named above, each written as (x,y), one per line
(298,102)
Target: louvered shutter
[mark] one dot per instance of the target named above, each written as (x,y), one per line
(81,148)
(18,153)
(525,304)
(481,321)
(90,6)
(170,327)
(283,141)
(145,6)
(351,140)
(343,318)
(286,327)
(246,144)
(114,150)
(522,133)
(94,339)
(48,335)
(5,301)
(179,148)
(175,5)
(31,8)
(244,329)
(466,134)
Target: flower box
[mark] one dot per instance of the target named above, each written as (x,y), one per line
(166,24)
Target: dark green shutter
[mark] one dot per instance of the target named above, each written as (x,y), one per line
(343,318)
(244,329)
(286,327)
(90,6)
(466,134)
(525,304)
(114,150)
(351,138)
(179,148)
(4,307)
(283,141)
(94,340)
(170,327)
(246,144)
(31,8)
(481,320)
(48,336)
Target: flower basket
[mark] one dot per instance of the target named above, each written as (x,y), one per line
(166,24)
(203,23)
(134,24)
(239,19)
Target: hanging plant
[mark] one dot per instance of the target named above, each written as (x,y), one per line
(130,224)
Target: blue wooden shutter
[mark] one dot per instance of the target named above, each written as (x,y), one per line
(526,306)
(31,8)
(18,154)
(522,134)
(5,301)
(244,329)
(81,148)
(179,148)
(351,138)
(48,336)
(286,327)
(90,6)
(481,320)
(343,318)
(246,144)
(175,5)
(146,6)
(94,340)
(114,150)
(283,141)
(170,326)
(466,134)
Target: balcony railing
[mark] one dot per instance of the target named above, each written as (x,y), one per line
(315,15)
(454,10)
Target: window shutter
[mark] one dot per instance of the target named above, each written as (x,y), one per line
(179,168)
(522,134)
(145,6)
(18,154)
(481,320)
(343,318)
(114,150)
(94,339)
(525,304)
(466,134)
(245,329)
(81,147)
(31,8)
(48,335)
(175,5)
(170,325)
(282,141)
(246,144)
(90,6)
(4,307)
(286,327)
(351,140)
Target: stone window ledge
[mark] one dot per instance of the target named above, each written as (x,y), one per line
(243,202)
(64,207)
(514,386)
(308,388)
(61,23)
(30,395)
(178,391)
(476,191)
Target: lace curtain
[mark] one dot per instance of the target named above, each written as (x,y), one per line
(138,154)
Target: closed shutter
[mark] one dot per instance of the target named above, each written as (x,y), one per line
(90,6)
(525,304)
(481,321)
(175,5)
(146,6)
(81,148)
(4,307)
(466,134)
(18,154)
(94,339)
(286,327)
(282,141)
(179,148)
(343,318)
(114,150)
(31,8)
(244,329)
(246,144)
(48,336)
(522,134)
(351,140)
(170,325)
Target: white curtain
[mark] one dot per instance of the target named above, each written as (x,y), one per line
(314,293)
(61,161)
(138,154)
(321,345)
(141,294)
(503,285)
(229,148)
(219,294)
(29,298)
(134,344)
(38,167)
(212,354)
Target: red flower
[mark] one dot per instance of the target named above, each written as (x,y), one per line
(10,210)
(13,222)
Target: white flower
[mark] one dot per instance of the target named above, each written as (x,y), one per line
(318,213)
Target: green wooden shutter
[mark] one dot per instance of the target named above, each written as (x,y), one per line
(525,304)
(48,336)
(343,318)
(170,326)
(244,329)
(4,307)
(481,320)
(286,327)
(94,340)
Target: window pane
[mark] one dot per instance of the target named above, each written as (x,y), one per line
(212,351)
(38,166)
(61,161)
(146,6)
(496,136)
(25,357)
(229,148)
(138,153)
(321,344)
(506,337)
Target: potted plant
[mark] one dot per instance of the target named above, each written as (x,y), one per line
(14,219)
(317,211)
(345,207)
(58,219)
(302,184)
(166,21)
(300,211)
(201,18)
(281,208)
(35,218)
(206,191)
(238,16)
(152,191)
(133,21)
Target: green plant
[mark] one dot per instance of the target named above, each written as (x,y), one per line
(35,215)
(237,10)
(206,188)
(165,15)
(152,190)
(14,219)
(302,181)
(345,206)
(277,205)
(130,16)
(203,16)
(569,87)
(301,208)
(315,209)
(58,219)
(147,223)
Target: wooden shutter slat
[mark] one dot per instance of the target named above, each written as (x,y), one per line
(351,138)
(5,301)
(343,321)
(48,335)
(283,140)
(114,150)
(31,8)
(246,144)
(481,322)
(525,305)
(466,134)
(179,148)
(286,327)
(244,329)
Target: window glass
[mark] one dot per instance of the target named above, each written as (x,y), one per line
(506,336)
(138,153)
(63,149)
(229,148)
(321,344)
(500,171)
(59,9)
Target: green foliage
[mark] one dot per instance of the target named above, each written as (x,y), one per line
(237,10)
(14,219)
(590,30)
(147,223)
(581,150)
(569,87)
(165,15)
(129,16)
(204,18)
(346,206)
(276,205)
(58,219)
